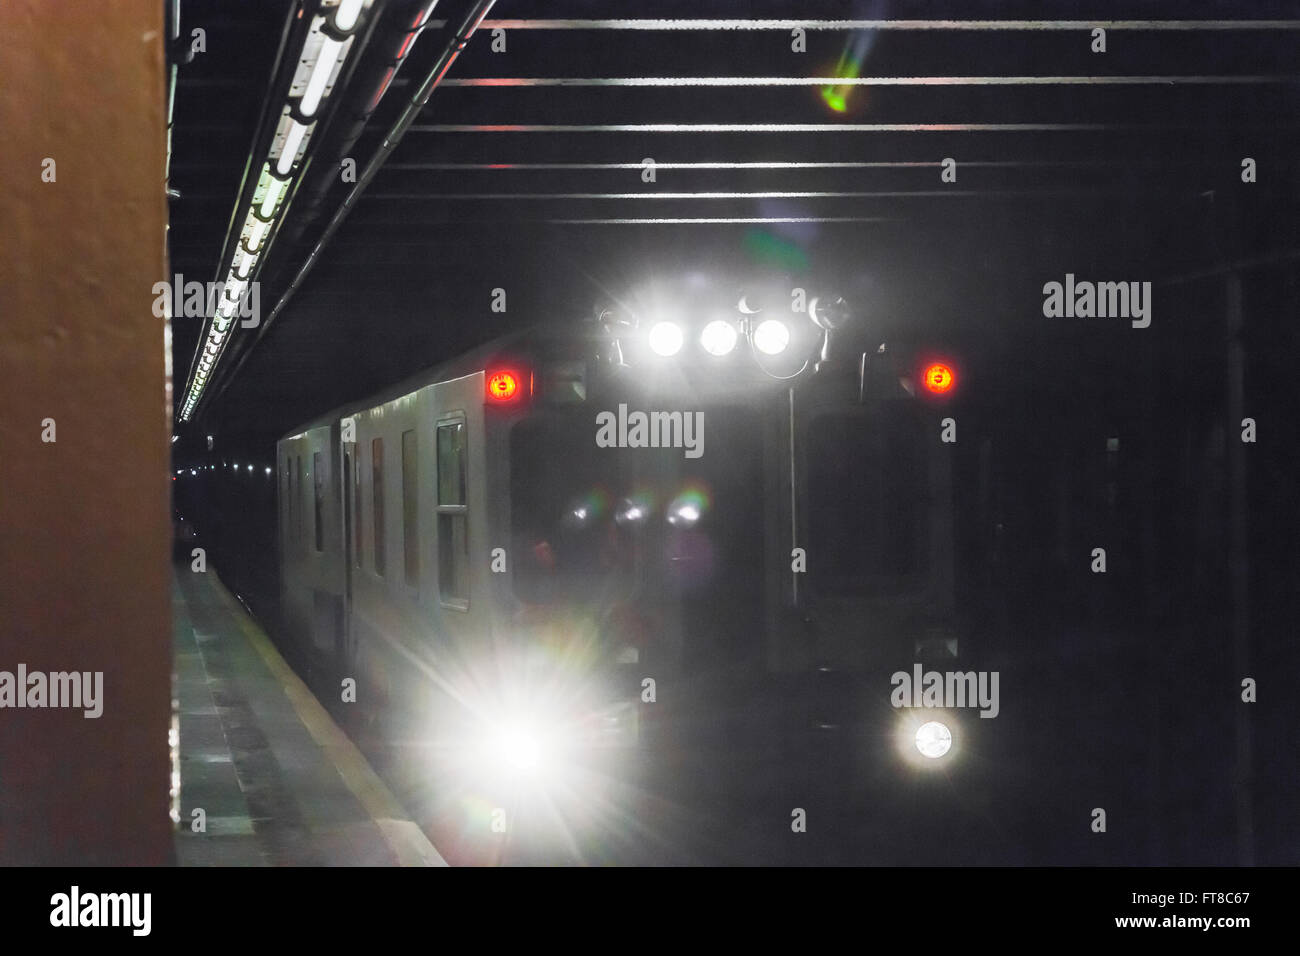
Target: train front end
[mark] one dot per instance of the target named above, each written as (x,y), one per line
(730,532)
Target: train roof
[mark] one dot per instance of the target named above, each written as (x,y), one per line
(464,364)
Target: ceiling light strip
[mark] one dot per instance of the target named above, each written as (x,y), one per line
(324,50)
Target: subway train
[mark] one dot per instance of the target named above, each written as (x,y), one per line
(676,555)
(661,585)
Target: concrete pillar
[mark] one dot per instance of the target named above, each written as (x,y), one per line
(85,518)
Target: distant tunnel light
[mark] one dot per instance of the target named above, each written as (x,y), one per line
(938,378)
(665,338)
(771,337)
(718,337)
(502,386)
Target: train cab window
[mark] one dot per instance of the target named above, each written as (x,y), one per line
(410,508)
(643,534)
(453,514)
(318,494)
(377,486)
(868,499)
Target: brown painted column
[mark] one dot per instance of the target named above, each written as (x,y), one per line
(84,518)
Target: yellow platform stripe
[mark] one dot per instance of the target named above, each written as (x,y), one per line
(407,840)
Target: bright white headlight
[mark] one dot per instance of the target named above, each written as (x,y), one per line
(771,337)
(665,338)
(718,337)
(933,739)
(517,749)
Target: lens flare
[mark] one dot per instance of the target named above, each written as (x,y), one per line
(588,508)
(856,50)
(685,510)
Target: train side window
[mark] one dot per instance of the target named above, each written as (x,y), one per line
(286,501)
(453,514)
(377,479)
(358,547)
(410,509)
(289,543)
(318,493)
(349,541)
(295,505)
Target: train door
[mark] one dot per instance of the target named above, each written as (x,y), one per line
(453,502)
(349,548)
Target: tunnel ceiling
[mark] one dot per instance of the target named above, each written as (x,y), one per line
(538,188)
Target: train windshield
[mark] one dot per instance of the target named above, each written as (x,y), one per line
(644,531)
(869,499)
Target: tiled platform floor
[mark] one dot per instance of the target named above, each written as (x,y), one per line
(279,782)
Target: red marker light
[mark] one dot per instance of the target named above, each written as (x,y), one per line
(502,386)
(938,378)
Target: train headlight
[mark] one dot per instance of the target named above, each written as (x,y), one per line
(665,338)
(929,740)
(771,337)
(718,337)
(933,739)
(518,748)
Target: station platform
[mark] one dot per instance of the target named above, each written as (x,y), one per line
(277,781)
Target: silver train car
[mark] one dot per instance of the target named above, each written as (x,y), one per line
(576,558)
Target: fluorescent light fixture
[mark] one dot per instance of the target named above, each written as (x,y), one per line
(256,233)
(235,290)
(289,151)
(320,58)
(274,193)
(243,264)
(345,18)
(326,60)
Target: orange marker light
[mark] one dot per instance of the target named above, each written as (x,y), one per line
(938,378)
(502,386)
